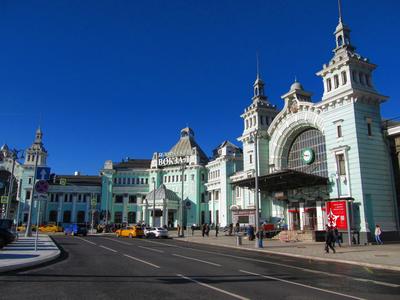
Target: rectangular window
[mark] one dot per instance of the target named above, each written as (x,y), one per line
(147,181)
(180,178)
(261,120)
(192,177)
(369,126)
(177,178)
(169,178)
(173,178)
(137,180)
(71,198)
(328,85)
(354,76)
(185,177)
(132,199)
(341,164)
(344,77)
(30,180)
(203,198)
(203,177)
(339,131)
(251,158)
(216,195)
(119,199)
(141,180)
(336,81)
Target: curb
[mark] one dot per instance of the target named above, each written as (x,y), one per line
(349,262)
(29,264)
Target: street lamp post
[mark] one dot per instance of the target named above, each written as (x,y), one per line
(107,194)
(28,231)
(181,207)
(256,194)
(154,202)
(15,157)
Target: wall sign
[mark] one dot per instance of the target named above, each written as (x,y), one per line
(336,214)
(169,159)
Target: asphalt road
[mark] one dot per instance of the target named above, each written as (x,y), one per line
(100,267)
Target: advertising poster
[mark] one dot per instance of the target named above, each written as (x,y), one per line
(336,214)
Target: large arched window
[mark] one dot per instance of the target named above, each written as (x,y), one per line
(314,140)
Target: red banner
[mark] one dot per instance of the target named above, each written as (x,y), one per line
(336,214)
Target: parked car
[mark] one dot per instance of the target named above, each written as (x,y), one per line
(76,229)
(23,227)
(50,228)
(6,236)
(131,231)
(158,232)
(148,233)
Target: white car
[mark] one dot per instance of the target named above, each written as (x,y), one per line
(158,232)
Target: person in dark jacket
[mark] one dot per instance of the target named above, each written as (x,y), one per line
(207,230)
(329,239)
(216,230)
(203,229)
(250,232)
(337,237)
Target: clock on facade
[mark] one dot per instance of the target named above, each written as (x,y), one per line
(308,155)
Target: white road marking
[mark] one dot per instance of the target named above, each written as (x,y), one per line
(302,285)
(152,249)
(287,266)
(213,288)
(199,260)
(85,240)
(109,249)
(117,241)
(143,261)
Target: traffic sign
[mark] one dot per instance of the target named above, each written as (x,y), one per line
(42,173)
(42,186)
(63,181)
(4,199)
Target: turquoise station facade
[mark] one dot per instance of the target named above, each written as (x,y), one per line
(306,154)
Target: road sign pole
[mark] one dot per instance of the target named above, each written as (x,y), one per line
(28,231)
(37,223)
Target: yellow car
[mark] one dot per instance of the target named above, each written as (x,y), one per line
(131,232)
(23,228)
(50,228)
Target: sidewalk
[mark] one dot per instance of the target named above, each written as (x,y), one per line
(381,257)
(22,254)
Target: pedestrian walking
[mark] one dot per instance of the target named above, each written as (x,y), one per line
(250,232)
(207,229)
(203,229)
(337,237)
(230,229)
(260,237)
(378,232)
(216,230)
(329,240)
(237,228)
(179,230)
(193,228)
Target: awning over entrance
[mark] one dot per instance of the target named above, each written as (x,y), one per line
(163,194)
(283,180)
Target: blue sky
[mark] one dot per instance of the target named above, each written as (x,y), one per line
(111,79)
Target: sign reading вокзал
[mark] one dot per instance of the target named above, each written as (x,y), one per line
(168,160)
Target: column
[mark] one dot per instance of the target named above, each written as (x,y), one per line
(60,207)
(73,213)
(125,208)
(88,207)
(320,216)
(301,212)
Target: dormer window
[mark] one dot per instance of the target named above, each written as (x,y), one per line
(340,41)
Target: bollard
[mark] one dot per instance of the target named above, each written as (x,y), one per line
(238,240)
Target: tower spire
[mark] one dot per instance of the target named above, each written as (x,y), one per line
(340,10)
(258,65)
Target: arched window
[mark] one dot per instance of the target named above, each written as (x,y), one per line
(131,217)
(328,85)
(344,77)
(67,216)
(336,81)
(53,216)
(310,139)
(340,41)
(80,217)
